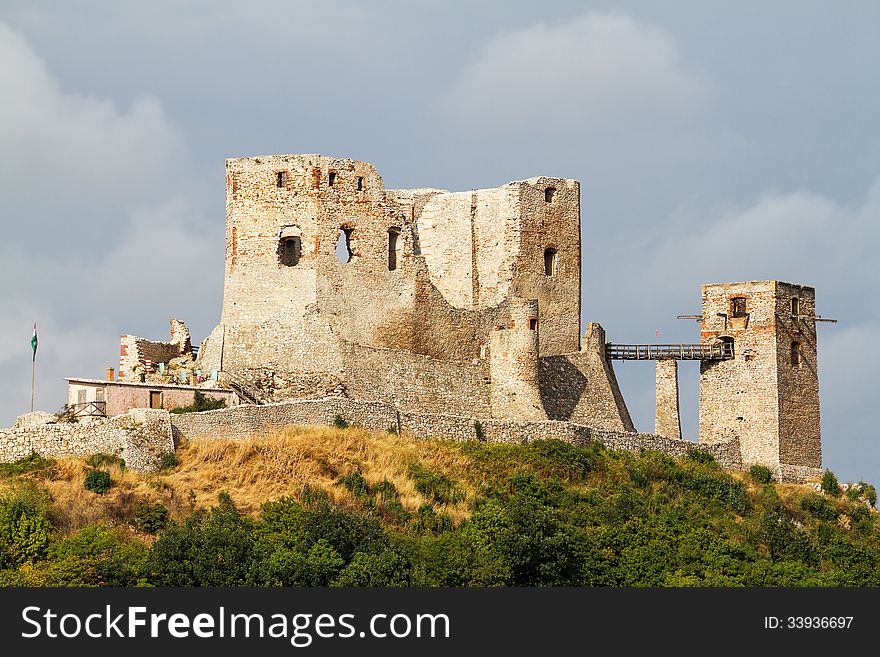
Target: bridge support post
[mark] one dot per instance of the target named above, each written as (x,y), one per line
(667,420)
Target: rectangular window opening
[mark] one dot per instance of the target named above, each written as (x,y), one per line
(796,308)
(155,399)
(533,323)
(393,237)
(795,354)
(549,193)
(331,179)
(549,262)
(281,179)
(359,183)
(290,251)
(739,306)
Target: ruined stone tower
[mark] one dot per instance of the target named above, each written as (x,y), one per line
(461,302)
(767,395)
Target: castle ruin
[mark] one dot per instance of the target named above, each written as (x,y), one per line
(424,304)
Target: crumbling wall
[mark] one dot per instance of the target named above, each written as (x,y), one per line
(139,437)
(133,350)
(667,419)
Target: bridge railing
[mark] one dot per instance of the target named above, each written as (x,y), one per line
(716,351)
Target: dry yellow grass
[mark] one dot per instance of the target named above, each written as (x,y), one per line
(260,469)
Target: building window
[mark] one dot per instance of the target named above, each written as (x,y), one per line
(80,396)
(549,262)
(795,354)
(290,251)
(795,308)
(359,183)
(393,238)
(99,394)
(155,399)
(281,179)
(533,323)
(344,253)
(331,179)
(739,306)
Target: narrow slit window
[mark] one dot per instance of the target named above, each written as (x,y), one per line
(533,323)
(739,306)
(795,354)
(344,253)
(550,262)
(290,251)
(796,308)
(359,183)
(281,179)
(393,239)
(331,179)
(549,193)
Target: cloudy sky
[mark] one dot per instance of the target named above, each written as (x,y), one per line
(713,141)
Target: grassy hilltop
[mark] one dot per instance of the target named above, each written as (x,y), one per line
(347,507)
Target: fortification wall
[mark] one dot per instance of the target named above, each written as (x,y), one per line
(139,437)
(244,421)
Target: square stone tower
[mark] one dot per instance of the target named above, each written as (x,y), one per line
(767,395)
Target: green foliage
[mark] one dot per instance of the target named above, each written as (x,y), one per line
(819,507)
(340,422)
(761,474)
(478,431)
(435,486)
(392,429)
(700,456)
(25,529)
(201,402)
(31,463)
(101,460)
(830,484)
(168,461)
(98,481)
(150,518)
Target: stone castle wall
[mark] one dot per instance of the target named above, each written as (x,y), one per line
(139,437)
(243,421)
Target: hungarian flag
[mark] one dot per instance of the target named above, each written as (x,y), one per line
(34,341)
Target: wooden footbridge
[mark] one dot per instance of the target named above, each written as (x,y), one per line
(714,351)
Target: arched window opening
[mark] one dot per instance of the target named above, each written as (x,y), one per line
(549,193)
(344,253)
(795,308)
(550,262)
(727,346)
(795,354)
(393,239)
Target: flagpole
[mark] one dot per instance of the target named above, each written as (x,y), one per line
(33,373)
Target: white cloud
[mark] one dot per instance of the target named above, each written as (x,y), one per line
(587,73)
(58,144)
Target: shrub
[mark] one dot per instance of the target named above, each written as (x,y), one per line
(168,461)
(478,430)
(201,402)
(150,517)
(340,422)
(392,429)
(98,481)
(356,483)
(30,463)
(820,507)
(699,456)
(435,486)
(830,484)
(761,474)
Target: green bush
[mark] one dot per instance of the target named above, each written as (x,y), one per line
(168,461)
(478,430)
(201,402)
(150,518)
(435,486)
(392,429)
(31,463)
(819,507)
(830,484)
(356,484)
(98,481)
(700,456)
(340,422)
(761,474)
